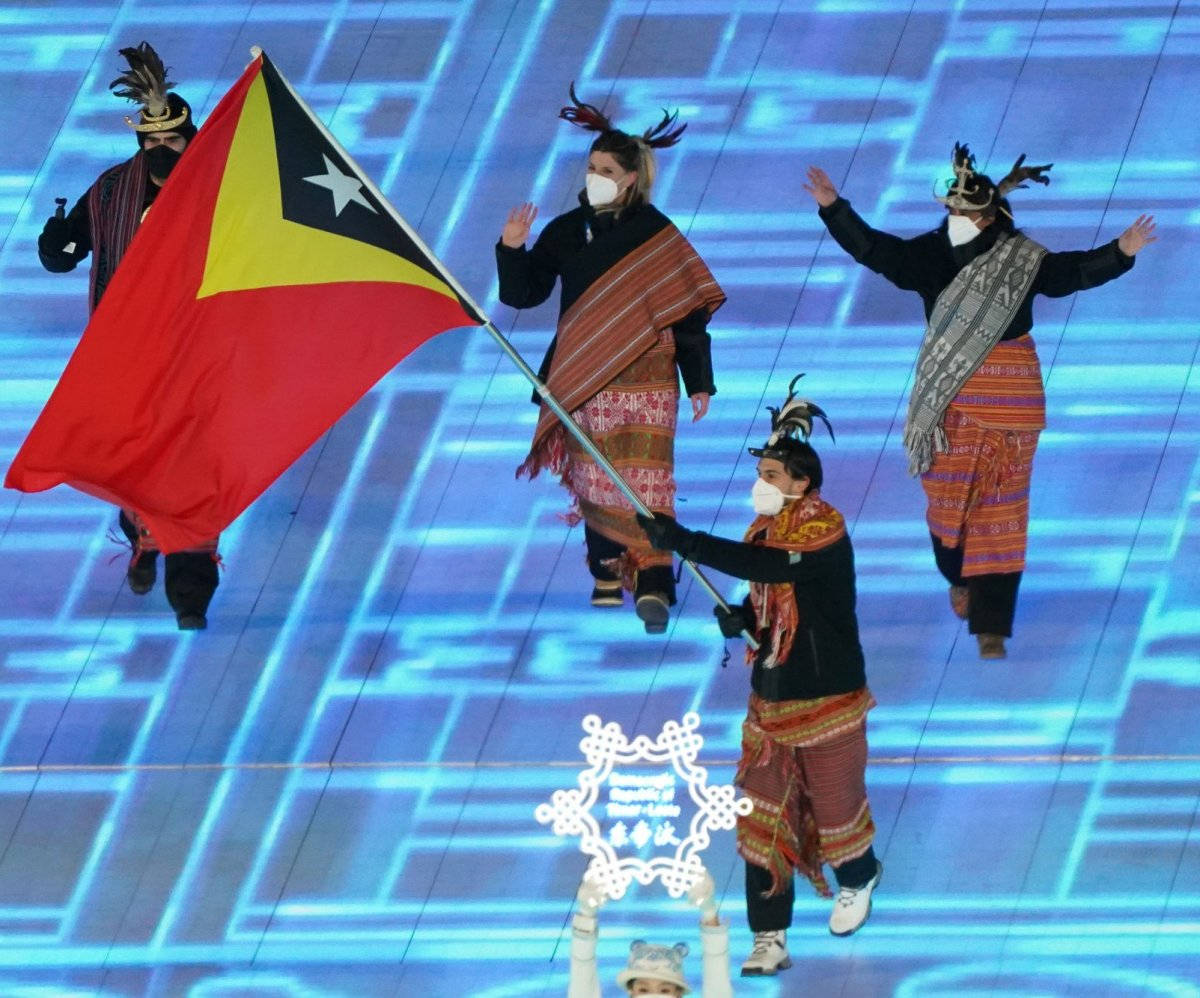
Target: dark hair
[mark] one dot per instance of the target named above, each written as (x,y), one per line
(622,146)
(799,460)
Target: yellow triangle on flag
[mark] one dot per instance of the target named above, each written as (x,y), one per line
(252,246)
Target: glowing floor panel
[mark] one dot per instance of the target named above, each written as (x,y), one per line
(331,790)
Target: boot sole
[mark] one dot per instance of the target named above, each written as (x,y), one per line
(653,613)
(785,965)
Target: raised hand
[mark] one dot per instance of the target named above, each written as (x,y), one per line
(516,229)
(821,187)
(1137,236)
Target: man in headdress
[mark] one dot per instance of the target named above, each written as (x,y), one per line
(636,301)
(103,223)
(804,745)
(978,403)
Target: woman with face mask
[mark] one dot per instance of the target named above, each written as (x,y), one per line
(633,316)
(978,403)
(804,746)
(103,223)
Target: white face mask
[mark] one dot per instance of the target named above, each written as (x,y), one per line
(600,190)
(960,229)
(767,498)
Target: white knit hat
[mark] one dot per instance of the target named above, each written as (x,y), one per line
(649,962)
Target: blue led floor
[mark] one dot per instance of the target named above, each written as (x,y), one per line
(331,791)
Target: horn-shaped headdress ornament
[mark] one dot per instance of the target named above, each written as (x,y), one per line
(592,119)
(971,190)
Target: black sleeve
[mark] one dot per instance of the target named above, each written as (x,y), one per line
(527,276)
(756,563)
(1063,274)
(693,353)
(55,238)
(893,257)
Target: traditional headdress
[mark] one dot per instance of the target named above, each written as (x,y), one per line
(791,423)
(974,191)
(592,119)
(661,964)
(146,83)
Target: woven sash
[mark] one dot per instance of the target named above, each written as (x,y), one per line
(968,319)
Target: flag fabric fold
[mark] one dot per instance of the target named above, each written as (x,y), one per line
(267,290)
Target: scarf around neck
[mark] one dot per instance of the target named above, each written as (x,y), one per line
(808,524)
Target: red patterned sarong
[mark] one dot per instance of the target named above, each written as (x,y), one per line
(804,766)
(632,421)
(978,490)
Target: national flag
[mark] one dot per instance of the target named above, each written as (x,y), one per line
(269,287)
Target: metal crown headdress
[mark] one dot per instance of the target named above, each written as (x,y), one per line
(592,119)
(793,420)
(146,83)
(974,191)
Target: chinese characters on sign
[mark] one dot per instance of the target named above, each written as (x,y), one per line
(643,809)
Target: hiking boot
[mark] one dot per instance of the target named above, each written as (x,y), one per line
(960,601)
(654,610)
(142,572)
(607,593)
(991,646)
(852,906)
(769,955)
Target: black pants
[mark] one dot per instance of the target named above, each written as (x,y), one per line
(191,576)
(992,599)
(656,579)
(774,913)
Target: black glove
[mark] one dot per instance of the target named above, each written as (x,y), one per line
(664,532)
(733,621)
(55,235)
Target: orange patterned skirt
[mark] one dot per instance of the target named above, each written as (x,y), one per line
(978,490)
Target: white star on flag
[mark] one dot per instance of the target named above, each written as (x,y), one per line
(344,187)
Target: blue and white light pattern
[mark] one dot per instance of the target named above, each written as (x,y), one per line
(331,791)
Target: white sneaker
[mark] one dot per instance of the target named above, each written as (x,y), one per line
(769,955)
(852,906)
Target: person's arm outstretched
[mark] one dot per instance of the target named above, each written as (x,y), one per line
(887,255)
(1063,274)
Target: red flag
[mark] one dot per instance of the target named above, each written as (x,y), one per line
(267,290)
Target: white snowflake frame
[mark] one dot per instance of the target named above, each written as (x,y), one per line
(605,746)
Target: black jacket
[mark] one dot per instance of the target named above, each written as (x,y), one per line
(564,251)
(928,263)
(826,657)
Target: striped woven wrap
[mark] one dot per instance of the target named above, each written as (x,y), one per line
(614,371)
(615,321)
(115,202)
(803,766)
(978,489)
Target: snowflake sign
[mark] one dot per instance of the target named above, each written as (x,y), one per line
(644,835)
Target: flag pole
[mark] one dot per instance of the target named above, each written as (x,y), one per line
(510,351)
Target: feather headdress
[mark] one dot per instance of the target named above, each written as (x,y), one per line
(791,421)
(146,83)
(592,119)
